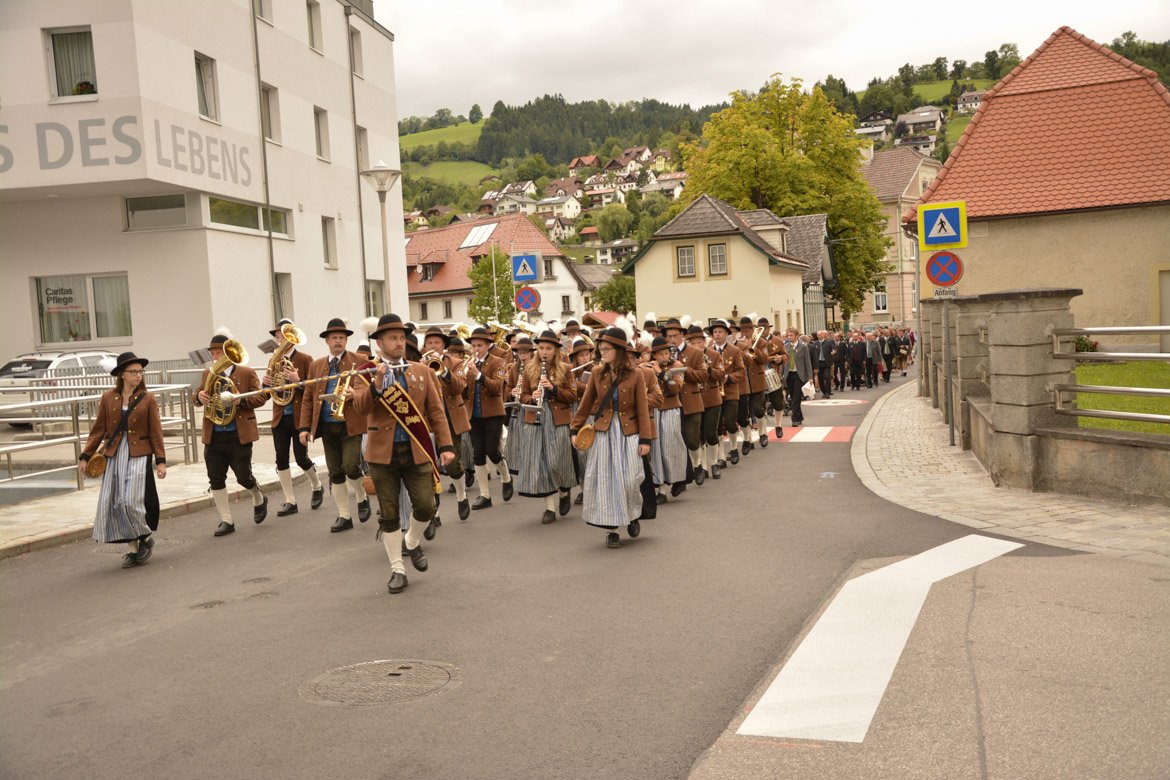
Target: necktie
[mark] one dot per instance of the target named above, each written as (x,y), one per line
(333,363)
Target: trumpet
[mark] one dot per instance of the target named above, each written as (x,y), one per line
(280,362)
(434,361)
(338,398)
(757,334)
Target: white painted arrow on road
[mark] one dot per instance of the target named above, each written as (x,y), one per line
(832,685)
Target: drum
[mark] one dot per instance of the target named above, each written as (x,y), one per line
(772,379)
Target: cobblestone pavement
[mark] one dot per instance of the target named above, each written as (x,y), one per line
(901,453)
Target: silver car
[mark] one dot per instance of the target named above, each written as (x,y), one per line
(15,375)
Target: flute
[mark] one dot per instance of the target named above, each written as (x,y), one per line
(229,397)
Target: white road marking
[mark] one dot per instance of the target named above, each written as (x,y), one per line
(812,433)
(832,685)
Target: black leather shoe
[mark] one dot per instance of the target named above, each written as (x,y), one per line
(660,498)
(129,560)
(721,463)
(464,509)
(764,439)
(549,516)
(746,447)
(145,549)
(566,504)
(437,520)
(613,541)
(468,478)
(779,433)
(397,582)
(700,476)
(223,529)
(260,512)
(508,490)
(341,524)
(733,456)
(364,510)
(633,529)
(418,558)
(317,498)
(286,509)
(579,500)
(482,503)
(715,472)
(677,489)
(429,531)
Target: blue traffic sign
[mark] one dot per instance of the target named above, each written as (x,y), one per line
(527,299)
(524,268)
(942,225)
(944,269)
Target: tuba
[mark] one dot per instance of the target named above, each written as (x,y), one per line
(283,396)
(218,410)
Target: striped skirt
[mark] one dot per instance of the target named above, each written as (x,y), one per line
(121,511)
(545,458)
(613,479)
(668,453)
(512,433)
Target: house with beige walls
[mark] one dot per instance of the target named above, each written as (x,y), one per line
(1056,201)
(708,262)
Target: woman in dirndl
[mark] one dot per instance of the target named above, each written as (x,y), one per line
(522,350)
(545,458)
(583,356)
(129,425)
(616,397)
(668,452)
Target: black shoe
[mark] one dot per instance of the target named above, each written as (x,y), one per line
(145,548)
(613,540)
(341,524)
(129,560)
(397,582)
(464,509)
(317,498)
(798,423)
(260,512)
(364,510)
(660,498)
(451,488)
(549,516)
(418,558)
(721,463)
(677,489)
(733,456)
(700,476)
(468,478)
(429,531)
(633,529)
(566,504)
(223,529)
(482,503)
(286,509)
(779,433)
(764,438)
(508,490)
(438,521)
(746,447)
(579,500)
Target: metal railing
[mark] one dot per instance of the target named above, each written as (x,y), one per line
(1067,406)
(79,417)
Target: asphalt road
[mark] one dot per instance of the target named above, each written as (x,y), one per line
(573,660)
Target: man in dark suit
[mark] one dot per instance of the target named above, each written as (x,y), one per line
(857,351)
(826,354)
(799,371)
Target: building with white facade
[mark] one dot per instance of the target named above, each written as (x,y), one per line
(167,168)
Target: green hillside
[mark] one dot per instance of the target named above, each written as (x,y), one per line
(449,171)
(930,91)
(463,133)
(955,127)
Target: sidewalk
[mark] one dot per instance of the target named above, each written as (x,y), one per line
(53,520)
(900,452)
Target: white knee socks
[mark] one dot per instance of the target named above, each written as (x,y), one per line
(220,499)
(481,479)
(286,486)
(696,457)
(314,480)
(257,495)
(359,489)
(550,502)
(341,498)
(460,489)
(502,468)
(392,541)
(415,532)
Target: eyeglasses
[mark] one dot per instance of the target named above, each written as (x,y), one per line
(133,371)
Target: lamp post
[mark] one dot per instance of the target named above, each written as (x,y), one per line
(382,177)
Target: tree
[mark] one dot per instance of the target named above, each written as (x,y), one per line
(613,222)
(492,301)
(1155,56)
(940,68)
(475,114)
(958,69)
(793,153)
(991,64)
(617,294)
(1009,58)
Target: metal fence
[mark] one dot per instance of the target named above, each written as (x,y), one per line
(1063,347)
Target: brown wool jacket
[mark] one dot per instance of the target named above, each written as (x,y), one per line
(246,381)
(712,388)
(633,409)
(424,391)
(733,371)
(693,379)
(491,395)
(454,387)
(560,400)
(143,429)
(310,413)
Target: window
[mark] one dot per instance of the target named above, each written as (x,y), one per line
(270,112)
(263,9)
(313,10)
(566,305)
(373,298)
(685,265)
(247,215)
(446,310)
(355,46)
(275,220)
(156,211)
(329,242)
(83,307)
(321,124)
(881,302)
(74,72)
(282,287)
(205,87)
(548,268)
(422,311)
(428,272)
(363,149)
(717,259)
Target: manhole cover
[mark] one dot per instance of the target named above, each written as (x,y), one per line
(120,548)
(380,682)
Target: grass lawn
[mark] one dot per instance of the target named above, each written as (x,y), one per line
(578,252)
(450,171)
(955,126)
(1137,374)
(930,91)
(464,133)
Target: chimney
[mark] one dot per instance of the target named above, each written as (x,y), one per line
(775,234)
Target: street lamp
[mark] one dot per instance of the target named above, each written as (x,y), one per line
(382,178)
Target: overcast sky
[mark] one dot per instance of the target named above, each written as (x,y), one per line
(452,53)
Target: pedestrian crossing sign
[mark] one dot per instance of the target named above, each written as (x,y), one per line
(942,226)
(524,268)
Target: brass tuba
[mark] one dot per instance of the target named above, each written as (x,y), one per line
(283,396)
(219,411)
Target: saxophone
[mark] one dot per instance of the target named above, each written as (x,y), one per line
(283,395)
(219,410)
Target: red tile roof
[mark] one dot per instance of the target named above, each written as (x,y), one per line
(440,246)
(1074,126)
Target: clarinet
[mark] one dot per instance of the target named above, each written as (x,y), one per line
(538,405)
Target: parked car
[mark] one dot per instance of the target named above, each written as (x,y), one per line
(16,373)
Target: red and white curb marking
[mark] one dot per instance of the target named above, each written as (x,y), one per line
(813,434)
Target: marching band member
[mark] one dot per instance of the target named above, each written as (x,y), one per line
(778,357)
(453,384)
(668,452)
(545,458)
(581,358)
(284,430)
(691,396)
(486,377)
(341,436)
(616,397)
(401,453)
(733,376)
(128,422)
(654,400)
(522,351)
(711,401)
(230,446)
(751,389)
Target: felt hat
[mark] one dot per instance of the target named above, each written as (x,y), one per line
(581,345)
(548,337)
(437,331)
(455,344)
(523,343)
(276,331)
(659,343)
(721,324)
(571,324)
(481,333)
(125,359)
(386,323)
(614,336)
(337,325)
(673,324)
(695,332)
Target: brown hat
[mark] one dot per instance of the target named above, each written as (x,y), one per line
(125,359)
(437,331)
(549,337)
(614,336)
(337,325)
(386,323)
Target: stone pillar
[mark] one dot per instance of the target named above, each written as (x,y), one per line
(932,314)
(1023,371)
(972,369)
(924,350)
